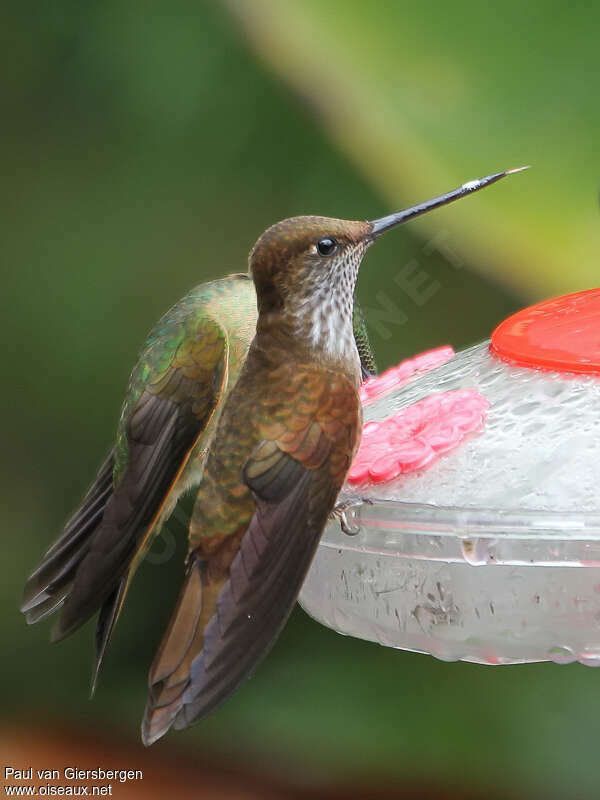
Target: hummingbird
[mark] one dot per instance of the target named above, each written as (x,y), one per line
(266,433)
(175,395)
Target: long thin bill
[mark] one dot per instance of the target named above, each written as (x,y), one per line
(385,223)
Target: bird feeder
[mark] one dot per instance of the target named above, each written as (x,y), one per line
(474,500)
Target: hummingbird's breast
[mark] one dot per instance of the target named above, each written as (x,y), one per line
(276,398)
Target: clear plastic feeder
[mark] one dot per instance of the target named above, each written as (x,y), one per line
(490,552)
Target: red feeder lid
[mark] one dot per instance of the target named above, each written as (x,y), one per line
(561,334)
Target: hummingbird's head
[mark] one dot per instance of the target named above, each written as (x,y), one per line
(302,259)
(305,271)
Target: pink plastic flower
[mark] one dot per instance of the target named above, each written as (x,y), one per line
(397,376)
(415,436)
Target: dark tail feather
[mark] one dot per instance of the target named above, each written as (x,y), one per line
(109,614)
(48,587)
(169,673)
(220,632)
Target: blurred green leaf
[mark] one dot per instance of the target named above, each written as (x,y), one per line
(424,96)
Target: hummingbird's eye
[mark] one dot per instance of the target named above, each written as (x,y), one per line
(327,247)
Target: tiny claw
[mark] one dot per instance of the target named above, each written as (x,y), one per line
(348,529)
(339,513)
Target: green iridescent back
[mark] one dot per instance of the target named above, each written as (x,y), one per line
(231,302)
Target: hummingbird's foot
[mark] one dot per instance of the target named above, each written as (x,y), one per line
(339,513)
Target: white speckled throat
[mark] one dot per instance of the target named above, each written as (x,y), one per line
(323,313)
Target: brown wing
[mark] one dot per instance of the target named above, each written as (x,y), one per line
(176,387)
(227,619)
(50,583)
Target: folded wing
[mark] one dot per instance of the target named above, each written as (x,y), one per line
(226,620)
(173,394)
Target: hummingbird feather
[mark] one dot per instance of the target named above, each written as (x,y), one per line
(48,586)
(249,557)
(130,486)
(164,425)
(163,435)
(107,619)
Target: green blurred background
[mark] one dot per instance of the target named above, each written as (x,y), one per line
(145,146)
